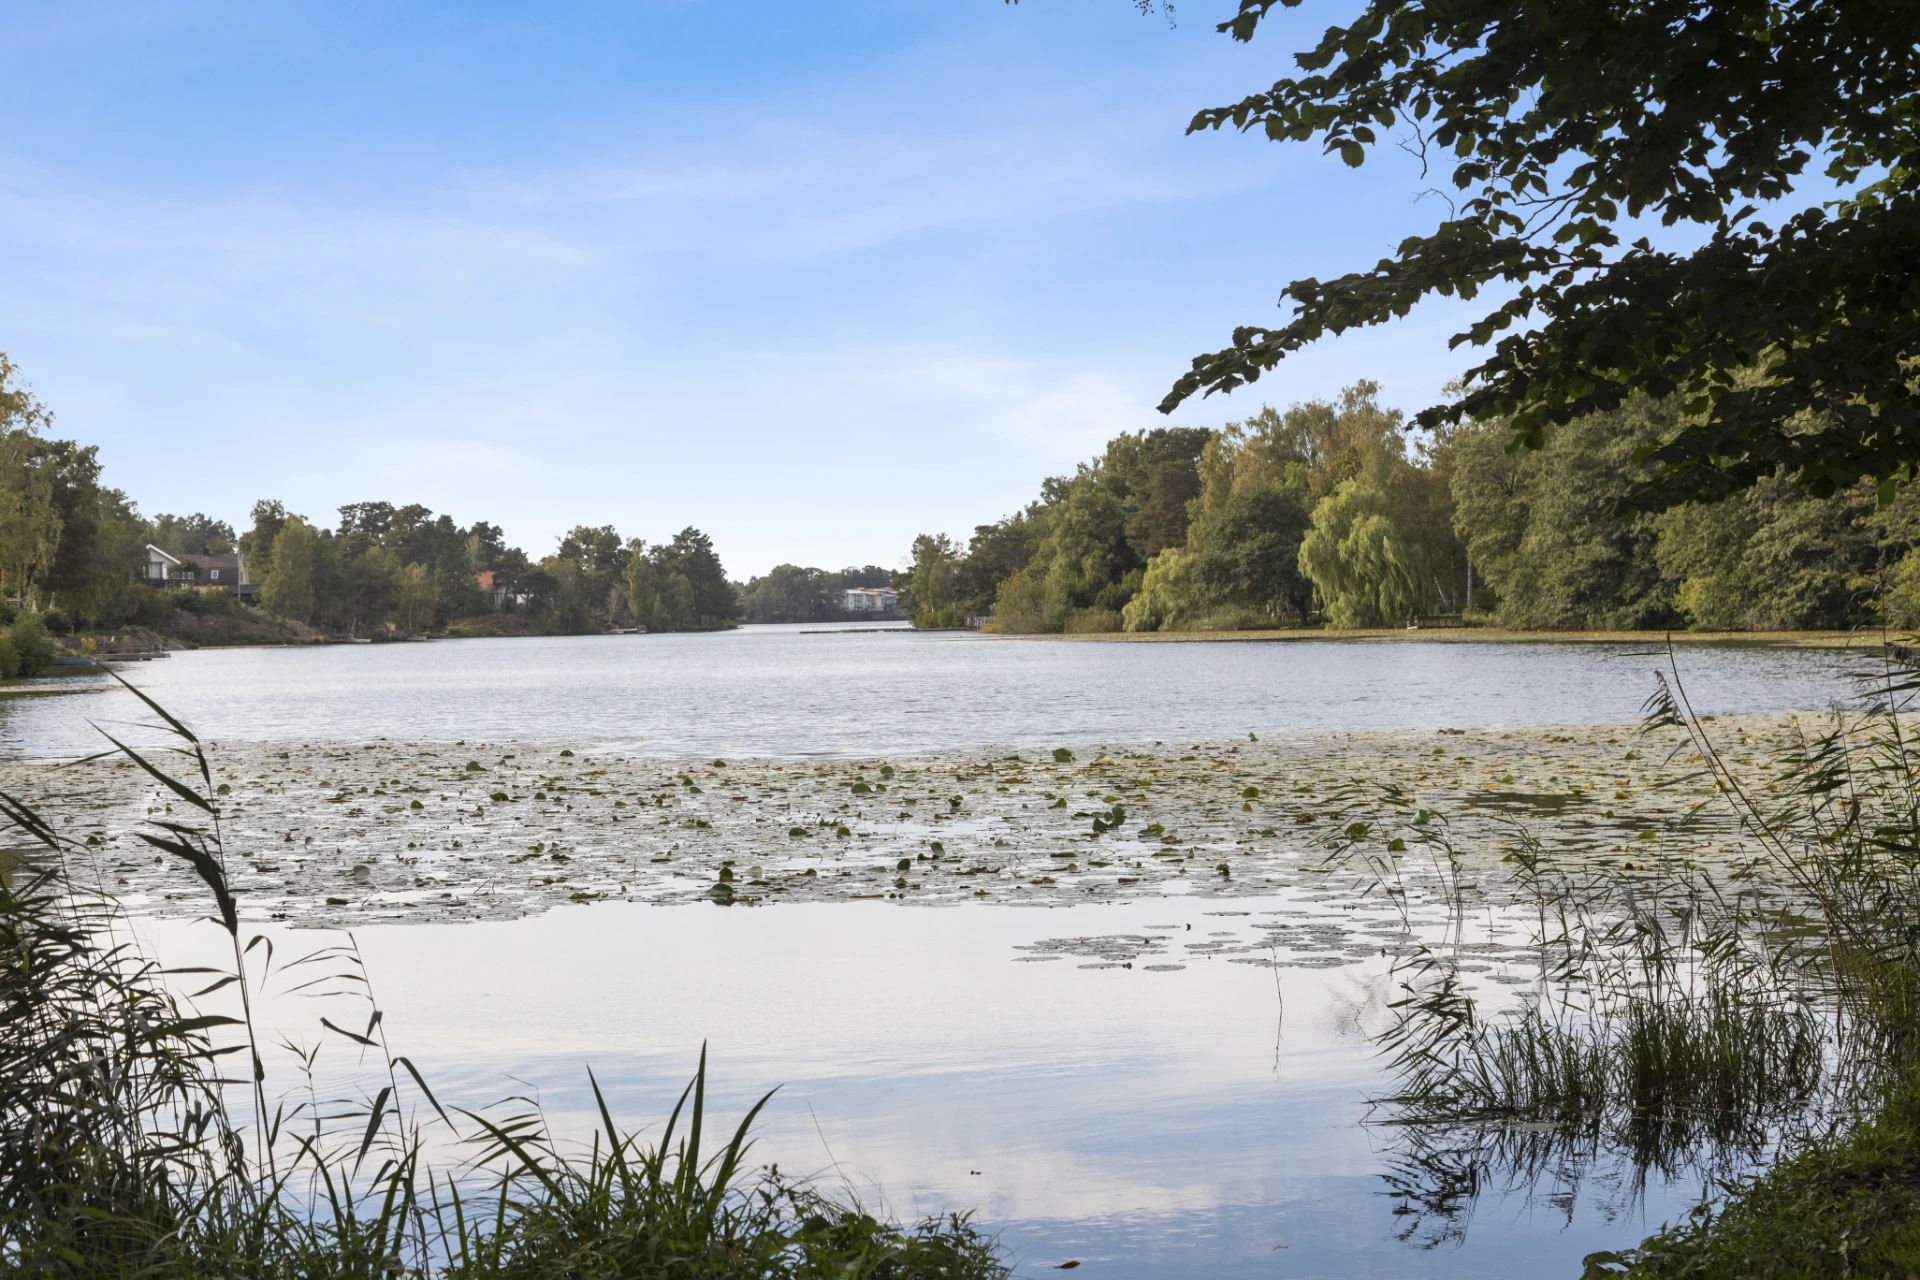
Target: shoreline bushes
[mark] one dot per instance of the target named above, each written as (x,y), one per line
(1846,1206)
(26,647)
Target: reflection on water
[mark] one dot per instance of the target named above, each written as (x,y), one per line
(1148,1123)
(778,691)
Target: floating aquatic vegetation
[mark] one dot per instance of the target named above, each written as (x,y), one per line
(442,827)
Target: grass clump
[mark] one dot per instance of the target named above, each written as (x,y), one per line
(138,1137)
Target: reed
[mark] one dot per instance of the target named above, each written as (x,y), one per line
(123,1154)
(1691,1013)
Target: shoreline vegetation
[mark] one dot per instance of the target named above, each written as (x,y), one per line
(74,555)
(1847,1205)
(1868,642)
(74,560)
(1759,1009)
(1335,514)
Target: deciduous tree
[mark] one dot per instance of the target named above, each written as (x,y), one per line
(1778,141)
(288,589)
(1365,570)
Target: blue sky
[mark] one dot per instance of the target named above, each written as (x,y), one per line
(815,278)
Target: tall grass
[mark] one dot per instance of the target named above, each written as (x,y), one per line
(1692,1012)
(122,1153)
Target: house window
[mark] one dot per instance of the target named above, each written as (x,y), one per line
(213,574)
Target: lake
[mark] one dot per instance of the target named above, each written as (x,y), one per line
(1160,1119)
(781,691)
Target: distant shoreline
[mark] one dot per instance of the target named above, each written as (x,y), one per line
(1865,640)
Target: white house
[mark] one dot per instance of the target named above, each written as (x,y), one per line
(161,567)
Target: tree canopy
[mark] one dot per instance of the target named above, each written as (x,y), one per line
(1784,135)
(1323,509)
(1203,530)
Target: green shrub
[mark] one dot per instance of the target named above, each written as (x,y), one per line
(1846,1206)
(153,608)
(32,646)
(1093,621)
(202,599)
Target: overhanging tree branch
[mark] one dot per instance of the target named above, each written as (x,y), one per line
(1795,345)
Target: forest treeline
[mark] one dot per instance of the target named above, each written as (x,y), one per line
(407,570)
(72,550)
(1327,513)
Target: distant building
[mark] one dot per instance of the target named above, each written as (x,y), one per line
(229,571)
(492,584)
(869,600)
(162,569)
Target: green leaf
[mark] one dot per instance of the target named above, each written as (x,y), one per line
(207,868)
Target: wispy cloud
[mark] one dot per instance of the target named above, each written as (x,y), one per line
(706,305)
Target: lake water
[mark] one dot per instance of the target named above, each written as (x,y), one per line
(779,691)
(1203,1119)
(1199,1121)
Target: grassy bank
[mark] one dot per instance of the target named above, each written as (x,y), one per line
(1845,1207)
(185,630)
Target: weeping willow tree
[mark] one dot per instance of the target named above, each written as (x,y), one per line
(1366,571)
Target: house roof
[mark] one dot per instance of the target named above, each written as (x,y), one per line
(155,551)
